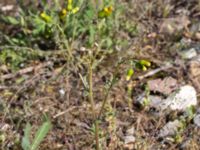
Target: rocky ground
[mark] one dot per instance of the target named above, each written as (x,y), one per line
(156,109)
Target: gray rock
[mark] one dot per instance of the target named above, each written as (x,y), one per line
(170,129)
(153,101)
(186,145)
(198,111)
(180,99)
(197,120)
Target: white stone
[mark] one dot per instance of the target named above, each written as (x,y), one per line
(62,92)
(180,99)
(189,54)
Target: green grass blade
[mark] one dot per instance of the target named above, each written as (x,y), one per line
(25,140)
(40,135)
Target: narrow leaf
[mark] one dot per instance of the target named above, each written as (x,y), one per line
(40,135)
(25,140)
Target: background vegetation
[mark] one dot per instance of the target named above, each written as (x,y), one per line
(70,71)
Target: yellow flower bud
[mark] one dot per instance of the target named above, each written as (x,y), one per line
(69,7)
(129,74)
(63,11)
(69,1)
(75,10)
(144,68)
(108,10)
(45,17)
(145,63)
(63,14)
(105,12)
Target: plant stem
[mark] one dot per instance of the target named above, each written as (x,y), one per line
(104,101)
(108,90)
(97,134)
(93,106)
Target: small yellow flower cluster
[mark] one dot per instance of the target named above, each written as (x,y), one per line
(105,12)
(45,17)
(69,9)
(141,64)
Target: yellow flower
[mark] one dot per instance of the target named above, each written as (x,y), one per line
(107,11)
(69,1)
(45,17)
(62,14)
(143,64)
(69,5)
(75,10)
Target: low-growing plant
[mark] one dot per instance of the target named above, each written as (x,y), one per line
(70,25)
(61,26)
(38,138)
(143,64)
(11,59)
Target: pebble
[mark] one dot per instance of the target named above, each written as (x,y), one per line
(188,54)
(170,128)
(197,120)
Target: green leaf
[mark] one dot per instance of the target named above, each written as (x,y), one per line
(11,20)
(84,81)
(39,30)
(90,13)
(40,135)
(25,140)
(92,35)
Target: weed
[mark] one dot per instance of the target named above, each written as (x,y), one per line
(39,136)
(63,25)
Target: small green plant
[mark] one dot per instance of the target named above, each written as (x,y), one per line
(114,78)
(62,25)
(39,136)
(190,113)
(12,59)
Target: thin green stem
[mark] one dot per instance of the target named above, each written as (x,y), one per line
(104,101)
(108,90)
(93,106)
